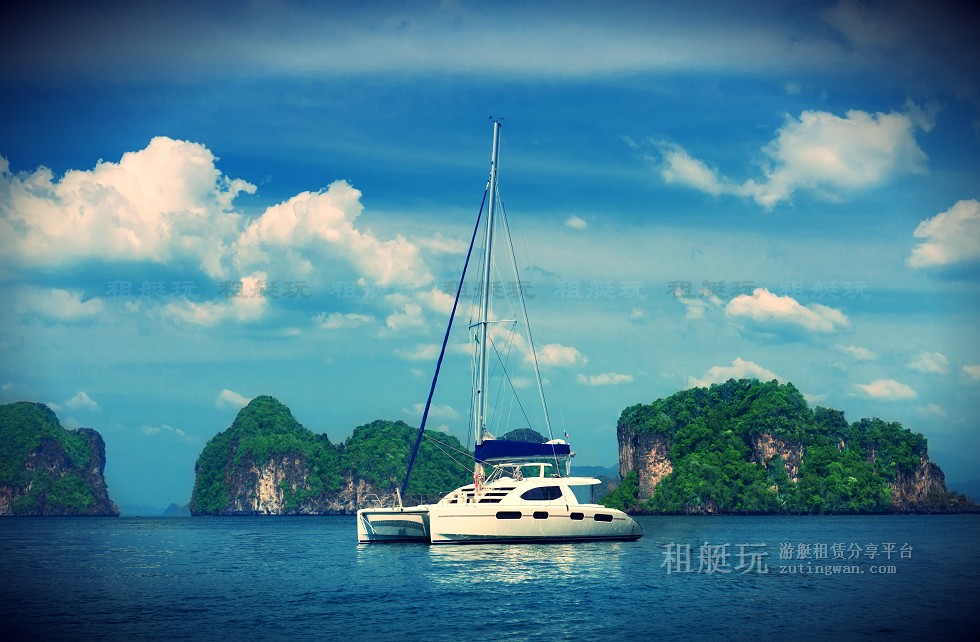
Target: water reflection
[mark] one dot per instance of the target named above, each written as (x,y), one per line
(520,563)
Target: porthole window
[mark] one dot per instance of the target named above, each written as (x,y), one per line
(509,514)
(541,514)
(577,516)
(602,517)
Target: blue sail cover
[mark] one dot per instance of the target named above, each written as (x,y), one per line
(503,449)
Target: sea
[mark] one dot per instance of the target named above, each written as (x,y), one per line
(894,577)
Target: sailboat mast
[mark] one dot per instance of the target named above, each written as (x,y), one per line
(487,289)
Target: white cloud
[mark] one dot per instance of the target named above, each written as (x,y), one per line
(973,371)
(767,309)
(81,401)
(679,167)
(169,202)
(436,411)
(740,369)
(165,201)
(248,305)
(934,410)
(557,355)
(930,363)
(887,389)
(576,223)
(167,430)
(337,320)
(56,304)
(437,300)
(859,353)
(441,244)
(421,352)
(948,238)
(230,399)
(605,379)
(825,153)
(312,226)
(409,315)
(697,306)
(819,152)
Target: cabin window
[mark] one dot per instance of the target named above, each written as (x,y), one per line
(541,514)
(577,516)
(602,517)
(509,514)
(542,494)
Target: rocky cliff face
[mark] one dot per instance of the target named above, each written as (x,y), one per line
(924,490)
(266,490)
(765,447)
(49,481)
(646,453)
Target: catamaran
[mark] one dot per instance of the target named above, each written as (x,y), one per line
(527,495)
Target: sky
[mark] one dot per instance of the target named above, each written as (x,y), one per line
(201,203)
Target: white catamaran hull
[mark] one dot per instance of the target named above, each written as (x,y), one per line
(409,524)
(473,524)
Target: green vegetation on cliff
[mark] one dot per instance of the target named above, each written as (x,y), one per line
(748,446)
(376,453)
(263,430)
(46,469)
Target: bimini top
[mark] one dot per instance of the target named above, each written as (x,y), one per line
(505,449)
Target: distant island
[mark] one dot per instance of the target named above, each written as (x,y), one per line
(48,470)
(742,447)
(267,463)
(746,447)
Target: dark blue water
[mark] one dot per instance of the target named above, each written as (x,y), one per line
(305,578)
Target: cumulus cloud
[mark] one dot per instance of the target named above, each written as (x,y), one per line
(767,311)
(169,204)
(314,225)
(819,152)
(930,363)
(740,369)
(948,238)
(165,201)
(576,223)
(56,304)
(973,371)
(887,390)
(81,401)
(230,399)
(557,355)
(605,379)
(249,304)
(407,315)
(859,353)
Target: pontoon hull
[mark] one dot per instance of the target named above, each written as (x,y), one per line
(409,524)
(477,524)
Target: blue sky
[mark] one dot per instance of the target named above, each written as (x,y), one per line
(202,204)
